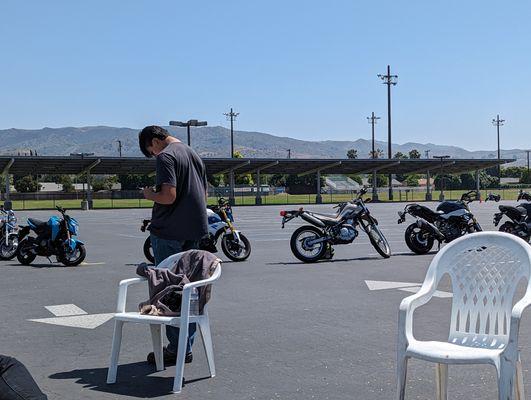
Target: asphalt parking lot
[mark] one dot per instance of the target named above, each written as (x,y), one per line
(281,329)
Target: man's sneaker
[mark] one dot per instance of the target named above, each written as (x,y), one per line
(169,357)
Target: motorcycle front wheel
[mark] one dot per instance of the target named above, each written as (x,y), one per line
(8,251)
(234,250)
(377,239)
(302,250)
(418,240)
(24,254)
(148,251)
(73,257)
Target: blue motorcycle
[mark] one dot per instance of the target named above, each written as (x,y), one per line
(56,237)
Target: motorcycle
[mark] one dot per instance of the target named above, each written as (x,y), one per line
(523,196)
(452,219)
(220,225)
(310,243)
(9,234)
(519,216)
(493,197)
(55,237)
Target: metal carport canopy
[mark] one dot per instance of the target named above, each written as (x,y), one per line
(28,165)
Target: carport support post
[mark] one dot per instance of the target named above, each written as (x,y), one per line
(477,184)
(374,186)
(428,186)
(89,191)
(258,198)
(318,197)
(231,189)
(8,205)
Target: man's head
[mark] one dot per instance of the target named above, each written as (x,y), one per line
(152,140)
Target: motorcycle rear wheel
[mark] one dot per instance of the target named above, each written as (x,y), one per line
(24,256)
(418,240)
(297,244)
(148,251)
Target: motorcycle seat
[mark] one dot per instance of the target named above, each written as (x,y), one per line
(327,218)
(513,210)
(37,222)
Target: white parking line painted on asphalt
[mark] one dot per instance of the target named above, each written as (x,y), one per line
(63,310)
(73,316)
(132,236)
(89,321)
(403,286)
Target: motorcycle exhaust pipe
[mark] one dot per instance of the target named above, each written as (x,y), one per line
(423,224)
(312,220)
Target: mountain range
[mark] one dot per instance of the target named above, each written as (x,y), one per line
(214,141)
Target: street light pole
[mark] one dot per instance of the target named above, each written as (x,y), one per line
(372,120)
(441,195)
(498,122)
(188,124)
(528,176)
(231,116)
(389,80)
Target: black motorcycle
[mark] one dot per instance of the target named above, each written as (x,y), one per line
(519,216)
(493,197)
(310,243)
(451,220)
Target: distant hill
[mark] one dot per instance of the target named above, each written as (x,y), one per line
(212,141)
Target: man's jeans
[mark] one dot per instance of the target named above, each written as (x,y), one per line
(16,383)
(162,249)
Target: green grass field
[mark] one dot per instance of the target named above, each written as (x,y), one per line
(279,199)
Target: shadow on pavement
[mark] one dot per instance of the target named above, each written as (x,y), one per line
(133,380)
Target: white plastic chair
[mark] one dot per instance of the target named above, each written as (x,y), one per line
(189,314)
(485,269)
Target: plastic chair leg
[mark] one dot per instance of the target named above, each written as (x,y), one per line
(115,351)
(506,376)
(401,374)
(181,353)
(520,393)
(156,338)
(204,325)
(441,374)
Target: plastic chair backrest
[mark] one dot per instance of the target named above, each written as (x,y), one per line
(485,269)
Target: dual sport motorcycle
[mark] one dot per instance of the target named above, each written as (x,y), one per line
(55,237)
(310,243)
(451,220)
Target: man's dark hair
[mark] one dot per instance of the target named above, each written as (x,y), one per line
(146,136)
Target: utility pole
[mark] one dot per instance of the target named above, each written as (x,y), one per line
(119,147)
(389,80)
(441,181)
(528,176)
(497,123)
(231,116)
(428,178)
(289,154)
(372,120)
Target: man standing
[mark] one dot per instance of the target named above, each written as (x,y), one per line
(179,218)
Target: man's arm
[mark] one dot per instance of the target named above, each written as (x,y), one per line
(166,195)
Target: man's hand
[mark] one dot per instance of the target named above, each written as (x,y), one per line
(148,193)
(166,195)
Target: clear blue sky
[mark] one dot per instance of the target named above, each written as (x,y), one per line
(304,69)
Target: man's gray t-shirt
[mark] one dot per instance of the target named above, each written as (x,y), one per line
(186,219)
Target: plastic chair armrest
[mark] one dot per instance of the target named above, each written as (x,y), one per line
(122,292)
(516,315)
(215,276)
(410,303)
